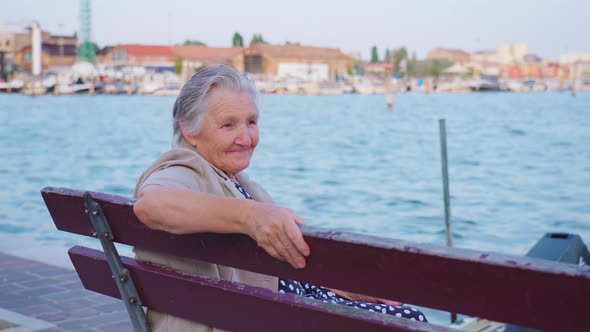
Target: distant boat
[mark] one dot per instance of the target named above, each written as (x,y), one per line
(114,88)
(12,86)
(485,83)
(75,88)
(170,90)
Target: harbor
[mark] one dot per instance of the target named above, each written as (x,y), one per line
(170,85)
(45,63)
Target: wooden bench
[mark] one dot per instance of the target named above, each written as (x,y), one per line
(525,291)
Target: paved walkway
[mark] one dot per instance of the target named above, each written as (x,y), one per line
(38,297)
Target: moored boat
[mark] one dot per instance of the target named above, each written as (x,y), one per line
(12,86)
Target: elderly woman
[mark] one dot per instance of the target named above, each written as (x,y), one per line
(199,186)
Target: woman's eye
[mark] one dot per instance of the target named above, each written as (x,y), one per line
(226,125)
(252,122)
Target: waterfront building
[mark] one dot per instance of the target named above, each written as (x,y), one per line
(52,56)
(453,55)
(512,52)
(570,58)
(56,50)
(485,57)
(151,57)
(200,55)
(543,69)
(305,63)
(485,62)
(280,61)
(12,42)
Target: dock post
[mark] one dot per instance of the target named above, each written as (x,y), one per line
(445,174)
(446,194)
(91,90)
(573,77)
(388,87)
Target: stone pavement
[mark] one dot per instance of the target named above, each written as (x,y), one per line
(38,297)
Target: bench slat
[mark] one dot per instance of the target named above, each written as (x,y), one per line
(520,290)
(250,308)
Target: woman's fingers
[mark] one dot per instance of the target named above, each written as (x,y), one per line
(299,220)
(296,237)
(275,229)
(287,255)
(269,248)
(290,252)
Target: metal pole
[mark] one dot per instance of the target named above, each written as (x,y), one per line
(121,275)
(3,75)
(445,175)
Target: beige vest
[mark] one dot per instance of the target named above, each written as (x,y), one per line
(196,173)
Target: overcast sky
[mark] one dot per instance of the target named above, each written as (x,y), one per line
(549,27)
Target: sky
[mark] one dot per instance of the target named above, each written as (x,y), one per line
(549,27)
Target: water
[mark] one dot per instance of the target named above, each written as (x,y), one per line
(519,164)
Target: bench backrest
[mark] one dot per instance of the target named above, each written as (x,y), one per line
(521,290)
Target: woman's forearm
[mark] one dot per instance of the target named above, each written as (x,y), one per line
(181,211)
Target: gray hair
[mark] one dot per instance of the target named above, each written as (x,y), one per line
(191,106)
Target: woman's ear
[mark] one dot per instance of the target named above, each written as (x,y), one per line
(192,139)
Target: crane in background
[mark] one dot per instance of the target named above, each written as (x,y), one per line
(86,51)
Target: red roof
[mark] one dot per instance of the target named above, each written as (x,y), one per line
(209,55)
(297,51)
(147,50)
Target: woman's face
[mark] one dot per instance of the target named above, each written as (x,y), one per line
(230,130)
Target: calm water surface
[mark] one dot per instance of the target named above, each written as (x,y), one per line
(519,164)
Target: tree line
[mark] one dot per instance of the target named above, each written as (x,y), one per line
(237,40)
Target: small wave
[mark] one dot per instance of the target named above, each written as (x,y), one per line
(456,235)
(299,169)
(13,229)
(466,221)
(470,162)
(331,182)
(415,202)
(515,132)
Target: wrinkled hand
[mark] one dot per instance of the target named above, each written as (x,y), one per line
(363,298)
(275,229)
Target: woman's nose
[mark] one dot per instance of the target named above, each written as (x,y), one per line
(243,137)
